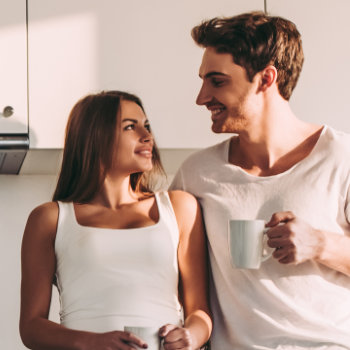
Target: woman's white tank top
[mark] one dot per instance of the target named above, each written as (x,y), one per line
(111,278)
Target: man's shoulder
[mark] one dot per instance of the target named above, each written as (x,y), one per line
(336,140)
(201,166)
(208,155)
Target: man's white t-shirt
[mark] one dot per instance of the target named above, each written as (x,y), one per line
(278,306)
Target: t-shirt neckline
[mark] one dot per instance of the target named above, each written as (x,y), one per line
(300,162)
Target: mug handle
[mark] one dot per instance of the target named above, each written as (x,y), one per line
(266,250)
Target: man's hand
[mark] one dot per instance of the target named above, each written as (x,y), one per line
(295,240)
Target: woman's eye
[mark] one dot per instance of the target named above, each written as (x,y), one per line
(130,127)
(148,127)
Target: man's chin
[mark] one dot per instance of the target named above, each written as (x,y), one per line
(217,127)
(221,129)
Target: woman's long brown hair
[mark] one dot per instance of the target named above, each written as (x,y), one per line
(89,148)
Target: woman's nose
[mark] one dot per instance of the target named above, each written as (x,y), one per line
(147,137)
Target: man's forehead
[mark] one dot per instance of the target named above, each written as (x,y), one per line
(213,61)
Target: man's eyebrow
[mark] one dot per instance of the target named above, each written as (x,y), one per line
(210,74)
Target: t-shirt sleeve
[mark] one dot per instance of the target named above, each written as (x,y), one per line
(178,182)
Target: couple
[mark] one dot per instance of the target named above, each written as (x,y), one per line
(123,255)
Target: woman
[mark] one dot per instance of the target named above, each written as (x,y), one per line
(116,251)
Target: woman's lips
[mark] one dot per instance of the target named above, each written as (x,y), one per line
(145,152)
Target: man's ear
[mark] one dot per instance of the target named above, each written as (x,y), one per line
(268,77)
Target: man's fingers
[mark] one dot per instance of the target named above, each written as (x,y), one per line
(280,217)
(284,255)
(278,242)
(287,259)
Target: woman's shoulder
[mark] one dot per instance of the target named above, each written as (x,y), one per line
(45,210)
(184,203)
(43,218)
(182,197)
(188,213)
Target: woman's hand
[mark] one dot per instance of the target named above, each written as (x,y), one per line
(116,340)
(176,337)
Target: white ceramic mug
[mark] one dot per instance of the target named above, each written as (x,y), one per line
(147,334)
(246,243)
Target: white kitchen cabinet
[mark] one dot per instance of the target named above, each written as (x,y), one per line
(322,93)
(83,46)
(13,67)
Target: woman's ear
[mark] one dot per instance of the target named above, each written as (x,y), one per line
(268,77)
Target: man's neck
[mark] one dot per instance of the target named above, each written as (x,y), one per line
(275,143)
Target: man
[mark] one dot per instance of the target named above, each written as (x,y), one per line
(293,174)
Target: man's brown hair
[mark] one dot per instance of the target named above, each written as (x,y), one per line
(256,40)
(91,138)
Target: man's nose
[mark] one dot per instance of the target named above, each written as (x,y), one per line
(203,96)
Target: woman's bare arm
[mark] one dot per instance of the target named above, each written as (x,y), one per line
(193,266)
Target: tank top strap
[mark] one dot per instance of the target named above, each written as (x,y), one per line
(66,220)
(66,212)
(167,214)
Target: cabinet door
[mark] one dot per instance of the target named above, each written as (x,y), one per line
(322,93)
(144,47)
(13,67)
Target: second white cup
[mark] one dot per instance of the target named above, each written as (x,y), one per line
(148,334)
(246,243)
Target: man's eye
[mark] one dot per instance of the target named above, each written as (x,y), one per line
(217,82)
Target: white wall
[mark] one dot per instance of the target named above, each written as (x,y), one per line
(18,196)
(138,46)
(322,93)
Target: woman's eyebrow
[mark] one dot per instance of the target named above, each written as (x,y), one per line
(129,120)
(134,120)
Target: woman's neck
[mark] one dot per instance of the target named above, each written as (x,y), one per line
(115,192)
